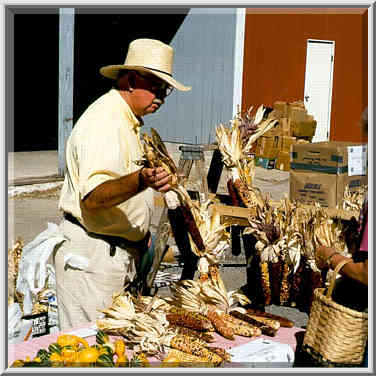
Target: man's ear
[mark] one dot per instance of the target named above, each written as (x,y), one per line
(126,81)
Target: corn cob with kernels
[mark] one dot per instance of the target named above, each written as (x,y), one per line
(265,282)
(191,320)
(285,284)
(265,329)
(181,358)
(221,352)
(220,326)
(207,337)
(185,344)
(240,327)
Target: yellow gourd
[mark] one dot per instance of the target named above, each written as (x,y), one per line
(71,340)
(69,355)
(88,355)
(56,360)
(122,361)
(119,347)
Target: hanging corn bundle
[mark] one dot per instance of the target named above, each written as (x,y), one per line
(354,200)
(177,199)
(265,228)
(235,143)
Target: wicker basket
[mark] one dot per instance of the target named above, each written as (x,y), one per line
(335,334)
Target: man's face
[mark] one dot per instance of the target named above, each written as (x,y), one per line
(148,93)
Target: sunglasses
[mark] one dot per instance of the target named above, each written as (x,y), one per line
(157,86)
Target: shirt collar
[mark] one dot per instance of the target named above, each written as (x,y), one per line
(135,121)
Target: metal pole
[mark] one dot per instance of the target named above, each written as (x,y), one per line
(66,67)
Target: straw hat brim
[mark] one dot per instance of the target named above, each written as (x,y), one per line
(111,71)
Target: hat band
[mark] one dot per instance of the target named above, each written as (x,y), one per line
(160,71)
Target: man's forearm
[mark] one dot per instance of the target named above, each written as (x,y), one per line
(114,192)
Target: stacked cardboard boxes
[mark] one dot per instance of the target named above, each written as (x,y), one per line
(320,171)
(294,126)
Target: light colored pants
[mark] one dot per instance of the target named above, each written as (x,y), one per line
(81,294)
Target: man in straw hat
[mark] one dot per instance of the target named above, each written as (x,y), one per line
(106,198)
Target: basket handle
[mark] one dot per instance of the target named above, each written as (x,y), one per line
(334,276)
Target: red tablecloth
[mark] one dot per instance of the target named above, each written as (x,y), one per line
(31,347)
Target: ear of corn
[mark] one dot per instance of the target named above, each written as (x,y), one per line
(207,337)
(193,320)
(265,320)
(185,344)
(239,327)
(221,352)
(181,359)
(265,282)
(221,327)
(265,329)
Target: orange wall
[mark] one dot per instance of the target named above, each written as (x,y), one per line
(274,60)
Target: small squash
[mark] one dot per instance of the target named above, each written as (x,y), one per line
(56,360)
(103,339)
(71,340)
(18,363)
(105,360)
(54,348)
(88,356)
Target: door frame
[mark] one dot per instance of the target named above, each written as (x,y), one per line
(332,43)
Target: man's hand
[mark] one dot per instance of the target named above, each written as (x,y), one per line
(156,178)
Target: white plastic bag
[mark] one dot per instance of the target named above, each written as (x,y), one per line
(14,320)
(262,353)
(35,268)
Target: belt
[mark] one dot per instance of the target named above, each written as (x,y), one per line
(113,241)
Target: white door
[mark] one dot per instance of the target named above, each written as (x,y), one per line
(318,85)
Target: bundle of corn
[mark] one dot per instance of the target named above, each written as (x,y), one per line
(264,226)
(354,200)
(235,143)
(208,296)
(214,235)
(177,200)
(14,257)
(149,329)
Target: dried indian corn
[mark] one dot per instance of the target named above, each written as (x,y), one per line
(207,337)
(239,327)
(193,320)
(265,282)
(185,344)
(221,327)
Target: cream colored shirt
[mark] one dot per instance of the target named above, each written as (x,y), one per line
(104,145)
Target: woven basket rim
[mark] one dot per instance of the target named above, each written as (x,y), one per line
(319,294)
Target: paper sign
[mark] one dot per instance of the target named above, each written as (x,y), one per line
(357,158)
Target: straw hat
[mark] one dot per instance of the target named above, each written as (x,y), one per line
(147,55)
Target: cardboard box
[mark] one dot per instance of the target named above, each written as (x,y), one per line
(285,126)
(275,131)
(281,106)
(297,114)
(286,143)
(303,128)
(267,163)
(283,161)
(330,157)
(326,189)
(267,147)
